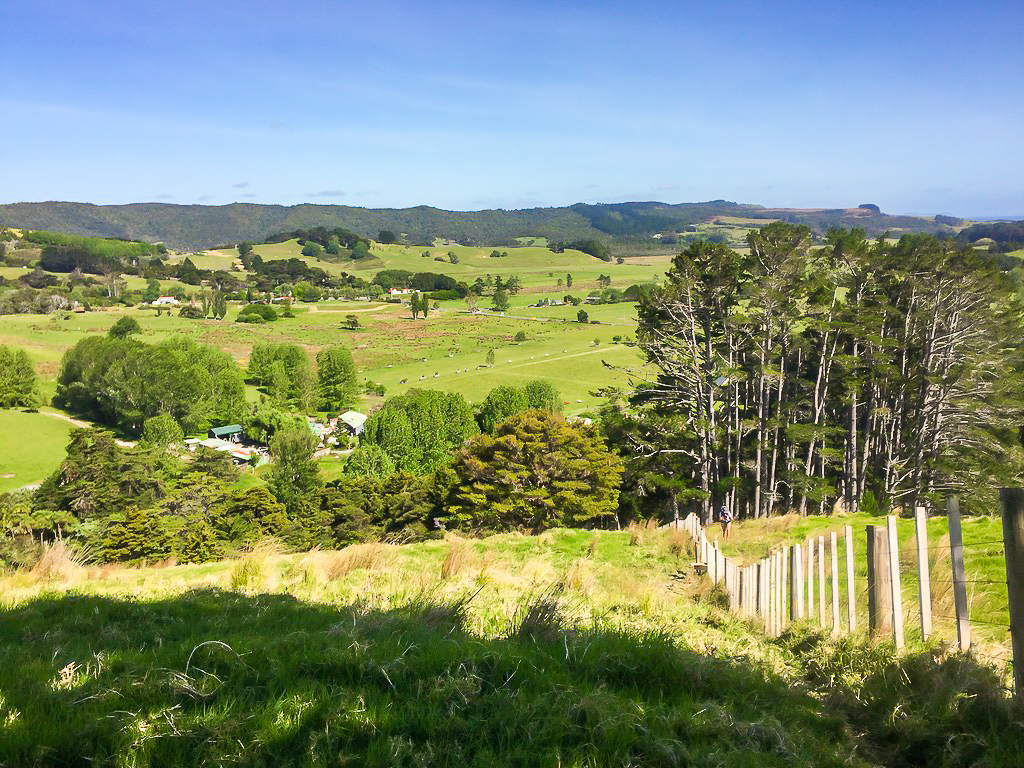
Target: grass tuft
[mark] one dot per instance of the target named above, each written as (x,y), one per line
(539,617)
(59,561)
(458,559)
(371,557)
(252,572)
(581,576)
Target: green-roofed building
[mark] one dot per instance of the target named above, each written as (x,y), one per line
(232,433)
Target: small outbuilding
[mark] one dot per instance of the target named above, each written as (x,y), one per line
(232,433)
(353,421)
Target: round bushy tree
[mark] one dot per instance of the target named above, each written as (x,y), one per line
(124,327)
(199,544)
(135,536)
(538,471)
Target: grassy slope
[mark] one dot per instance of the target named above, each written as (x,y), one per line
(430,654)
(32,447)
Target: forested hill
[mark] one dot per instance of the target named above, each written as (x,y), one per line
(187,227)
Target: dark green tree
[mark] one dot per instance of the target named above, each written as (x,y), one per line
(136,536)
(500,301)
(124,327)
(369,461)
(188,273)
(250,515)
(501,403)
(162,432)
(99,478)
(542,395)
(199,543)
(421,429)
(17,379)
(214,464)
(312,250)
(295,481)
(336,378)
(538,471)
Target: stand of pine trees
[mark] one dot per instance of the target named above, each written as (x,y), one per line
(793,377)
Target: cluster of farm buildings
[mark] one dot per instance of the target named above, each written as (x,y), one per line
(231,438)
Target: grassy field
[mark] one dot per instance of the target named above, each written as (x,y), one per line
(572,648)
(538,268)
(448,351)
(390,347)
(31,448)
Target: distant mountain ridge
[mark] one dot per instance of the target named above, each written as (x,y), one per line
(193,227)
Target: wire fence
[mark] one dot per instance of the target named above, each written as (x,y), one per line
(868,583)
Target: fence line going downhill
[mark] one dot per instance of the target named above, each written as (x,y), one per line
(781,587)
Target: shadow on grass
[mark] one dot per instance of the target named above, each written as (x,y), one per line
(212,677)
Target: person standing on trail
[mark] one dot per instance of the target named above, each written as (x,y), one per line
(725,518)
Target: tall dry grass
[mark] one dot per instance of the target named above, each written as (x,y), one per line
(370,557)
(59,561)
(253,572)
(581,576)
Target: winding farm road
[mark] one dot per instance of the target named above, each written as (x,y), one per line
(83,424)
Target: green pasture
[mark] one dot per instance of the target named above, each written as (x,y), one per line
(537,267)
(31,447)
(390,346)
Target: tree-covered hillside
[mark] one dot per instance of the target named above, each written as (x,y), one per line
(187,227)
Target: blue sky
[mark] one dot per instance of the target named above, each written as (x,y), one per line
(917,107)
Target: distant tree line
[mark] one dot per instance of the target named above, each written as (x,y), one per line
(122,382)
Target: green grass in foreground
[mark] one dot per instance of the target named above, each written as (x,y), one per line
(564,649)
(32,447)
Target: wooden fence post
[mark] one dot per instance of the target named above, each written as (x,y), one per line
(924,587)
(851,610)
(956,556)
(894,580)
(772,586)
(763,590)
(810,578)
(734,588)
(784,598)
(1012,503)
(779,593)
(879,591)
(752,600)
(834,552)
(796,584)
(744,588)
(821,581)
(776,612)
